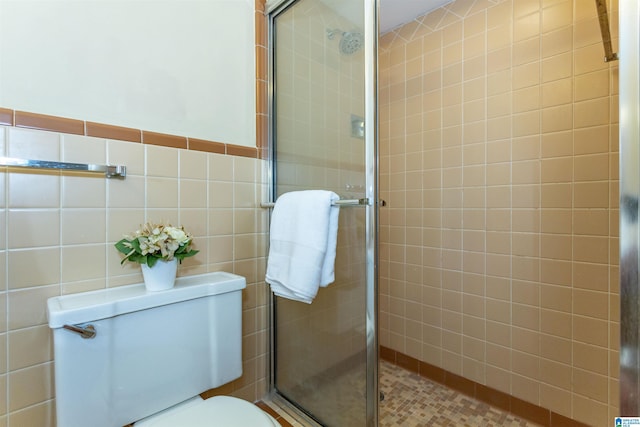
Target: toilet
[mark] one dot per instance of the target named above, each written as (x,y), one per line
(125,355)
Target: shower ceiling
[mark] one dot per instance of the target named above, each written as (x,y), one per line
(393,13)
(397,12)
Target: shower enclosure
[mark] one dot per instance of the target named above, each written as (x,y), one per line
(322,100)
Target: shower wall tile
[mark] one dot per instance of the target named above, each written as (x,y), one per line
(519,210)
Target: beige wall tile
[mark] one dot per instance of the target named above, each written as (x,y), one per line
(70,255)
(78,226)
(556,399)
(590,331)
(535,210)
(591,276)
(557,92)
(557,221)
(557,119)
(128,154)
(557,42)
(33,144)
(557,67)
(585,409)
(33,267)
(83,192)
(591,195)
(193,164)
(83,149)
(163,193)
(28,307)
(591,249)
(33,190)
(557,144)
(556,272)
(30,346)
(554,324)
(129,194)
(121,222)
(527,123)
(193,193)
(594,222)
(33,228)
(558,195)
(30,386)
(161,161)
(82,262)
(525,74)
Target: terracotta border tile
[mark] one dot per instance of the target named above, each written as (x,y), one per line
(493,397)
(239,150)
(499,399)
(530,411)
(208,146)
(51,123)
(432,372)
(266,408)
(261,28)
(113,132)
(261,97)
(459,383)
(408,362)
(558,420)
(388,354)
(269,410)
(261,64)
(121,133)
(262,131)
(163,139)
(6,116)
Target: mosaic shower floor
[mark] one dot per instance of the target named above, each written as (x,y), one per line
(414,401)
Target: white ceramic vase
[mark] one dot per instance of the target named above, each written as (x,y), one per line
(161,276)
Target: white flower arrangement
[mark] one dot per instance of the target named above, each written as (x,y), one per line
(153,242)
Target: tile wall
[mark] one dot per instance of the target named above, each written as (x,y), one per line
(499,164)
(58,232)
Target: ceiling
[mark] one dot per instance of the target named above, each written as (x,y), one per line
(397,12)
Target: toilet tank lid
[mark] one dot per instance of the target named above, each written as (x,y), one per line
(102,304)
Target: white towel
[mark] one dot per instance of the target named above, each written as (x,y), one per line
(302,250)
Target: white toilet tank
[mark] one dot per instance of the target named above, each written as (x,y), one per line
(151,350)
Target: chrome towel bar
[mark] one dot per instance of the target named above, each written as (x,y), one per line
(344,202)
(108,170)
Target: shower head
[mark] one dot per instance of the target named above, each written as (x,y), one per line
(350,42)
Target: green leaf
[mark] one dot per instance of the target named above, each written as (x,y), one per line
(121,246)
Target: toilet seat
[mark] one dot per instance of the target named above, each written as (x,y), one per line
(218,411)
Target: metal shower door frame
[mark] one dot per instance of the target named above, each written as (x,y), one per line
(629,195)
(273,8)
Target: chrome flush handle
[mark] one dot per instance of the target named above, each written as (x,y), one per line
(85,332)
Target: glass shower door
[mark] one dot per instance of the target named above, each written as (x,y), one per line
(323,137)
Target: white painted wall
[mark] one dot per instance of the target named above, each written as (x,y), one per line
(183,67)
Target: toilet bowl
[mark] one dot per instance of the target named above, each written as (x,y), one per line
(218,411)
(125,355)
